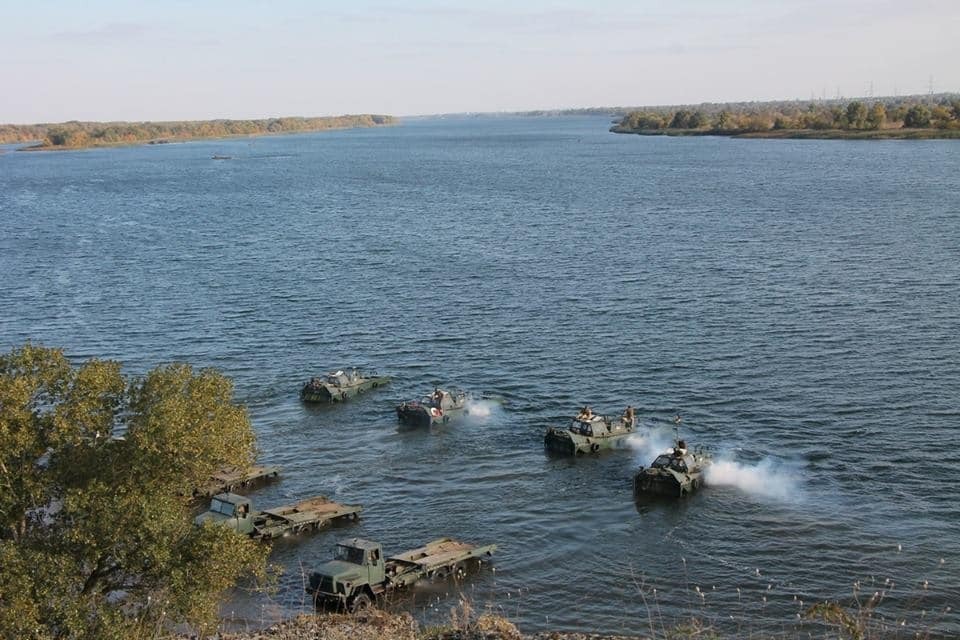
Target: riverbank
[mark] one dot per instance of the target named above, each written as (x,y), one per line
(379,625)
(889,118)
(803,134)
(70,136)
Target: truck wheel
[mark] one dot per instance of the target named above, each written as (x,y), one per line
(360,602)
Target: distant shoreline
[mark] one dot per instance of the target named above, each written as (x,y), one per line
(803,134)
(39,146)
(891,118)
(74,136)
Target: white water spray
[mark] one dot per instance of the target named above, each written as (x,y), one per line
(481,409)
(767,478)
(649,445)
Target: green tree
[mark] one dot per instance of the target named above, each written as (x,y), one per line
(877,116)
(856,115)
(57,136)
(640,120)
(698,119)
(96,539)
(941,116)
(782,122)
(838,115)
(723,121)
(681,120)
(917,117)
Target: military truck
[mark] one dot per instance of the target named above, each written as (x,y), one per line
(237,513)
(340,385)
(439,407)
(359,575)
(227,479)
(589,433)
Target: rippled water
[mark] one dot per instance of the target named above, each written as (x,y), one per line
(796,301)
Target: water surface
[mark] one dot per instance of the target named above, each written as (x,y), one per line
(797,302)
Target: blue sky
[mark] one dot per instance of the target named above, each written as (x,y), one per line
(110,60)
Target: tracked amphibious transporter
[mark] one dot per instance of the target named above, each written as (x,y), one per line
(589,434)
(438,408)
(674,474)
(341,385)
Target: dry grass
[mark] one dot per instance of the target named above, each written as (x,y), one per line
(369,625)
(465,624)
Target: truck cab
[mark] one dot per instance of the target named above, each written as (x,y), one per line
(354,575)
(229,510)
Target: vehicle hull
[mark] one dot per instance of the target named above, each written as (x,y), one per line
(563,442)
(329,393)
(661,483)
(422,416)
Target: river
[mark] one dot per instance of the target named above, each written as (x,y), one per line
(796,302)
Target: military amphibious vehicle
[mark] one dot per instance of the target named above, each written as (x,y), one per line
(438,408)
(360,575)
(236,512)
(674,474)
(341,385)
(590,433)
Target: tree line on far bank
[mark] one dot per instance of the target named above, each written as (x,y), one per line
(855,115)
(75,135)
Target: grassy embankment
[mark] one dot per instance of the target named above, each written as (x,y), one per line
(864,615)
(910,117)
(804,134)
(83,135)
(825,620)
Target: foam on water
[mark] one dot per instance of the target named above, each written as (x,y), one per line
(481,409)
(766,479)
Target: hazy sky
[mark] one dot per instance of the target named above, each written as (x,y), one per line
(131,60)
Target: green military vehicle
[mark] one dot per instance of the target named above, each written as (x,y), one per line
(341,385)
(590,433)
(237,513)
(674,474)
(227,479)
(359,574)
(439,407)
